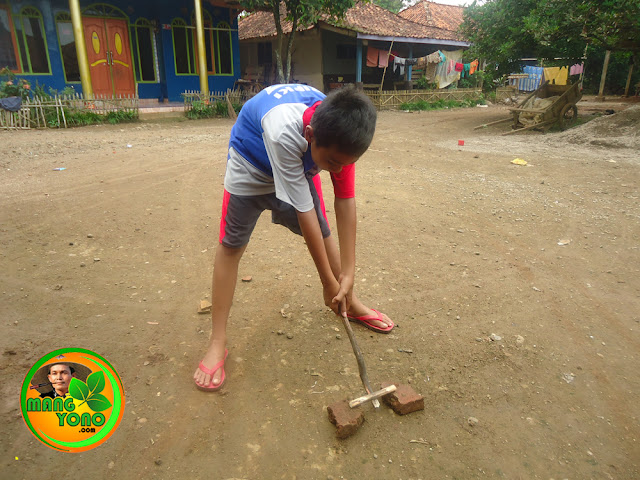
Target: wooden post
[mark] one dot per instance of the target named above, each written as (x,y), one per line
(626,89)
(600,97)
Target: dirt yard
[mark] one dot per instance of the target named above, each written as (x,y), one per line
(455,243)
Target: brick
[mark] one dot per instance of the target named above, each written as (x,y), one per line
(347,420)
(404,400)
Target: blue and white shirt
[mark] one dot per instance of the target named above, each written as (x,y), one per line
(267,150)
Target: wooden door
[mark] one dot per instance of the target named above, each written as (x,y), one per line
(120,57)
(98,55)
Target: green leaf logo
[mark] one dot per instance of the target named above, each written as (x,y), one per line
(90,392)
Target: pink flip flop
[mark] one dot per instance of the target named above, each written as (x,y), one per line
(211,371)
(366,321)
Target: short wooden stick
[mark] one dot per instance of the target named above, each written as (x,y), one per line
(365,398)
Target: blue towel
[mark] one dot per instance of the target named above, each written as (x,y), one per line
(12,104)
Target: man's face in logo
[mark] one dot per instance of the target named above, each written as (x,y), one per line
(60,376)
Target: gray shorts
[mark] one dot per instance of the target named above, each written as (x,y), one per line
(240,214)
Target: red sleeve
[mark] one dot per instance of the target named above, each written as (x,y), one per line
(344,183)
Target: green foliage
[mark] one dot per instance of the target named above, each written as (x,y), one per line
(11,86)
(392,5)
(611,24)
(204,109)
(423,84)
(90,392)
(423,105)
(504,31)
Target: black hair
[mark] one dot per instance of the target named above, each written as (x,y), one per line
(346,118)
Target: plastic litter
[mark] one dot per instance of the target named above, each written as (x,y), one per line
(59,169)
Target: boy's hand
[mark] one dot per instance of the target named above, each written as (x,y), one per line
(340,302)
(332,299)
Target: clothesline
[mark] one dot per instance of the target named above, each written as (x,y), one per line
(538,75)
(442,68)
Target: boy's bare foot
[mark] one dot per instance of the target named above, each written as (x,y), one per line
(214,355)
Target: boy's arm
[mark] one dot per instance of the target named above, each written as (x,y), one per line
(315,243)
(346,221)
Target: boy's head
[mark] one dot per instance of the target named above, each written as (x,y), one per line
(343,123)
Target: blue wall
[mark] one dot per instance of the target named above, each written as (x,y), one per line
(169,85)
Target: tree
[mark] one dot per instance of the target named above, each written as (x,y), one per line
(504,31)
(392,5)
(300,13)
(612,24)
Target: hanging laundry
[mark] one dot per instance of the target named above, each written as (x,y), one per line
(421,62)
(532,82)
(433,57)
(556,75)
(576,69)
(459,67)
(465,70)
(383,58)
(410,61)
(445,71)
(399,62)
(372,57)
(431,72)
(442,57)
(473,67)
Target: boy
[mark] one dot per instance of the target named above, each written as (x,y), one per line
(282,138)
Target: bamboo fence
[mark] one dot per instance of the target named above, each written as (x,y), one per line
(35,110)
(192,96)
(390,99)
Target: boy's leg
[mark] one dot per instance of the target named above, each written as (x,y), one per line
(356,307)
(225,274)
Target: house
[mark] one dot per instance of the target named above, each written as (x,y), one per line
(331,52)
(143,47)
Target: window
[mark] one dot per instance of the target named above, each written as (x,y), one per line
(264,53)
(183,47)
(224,60)
(9,56)
(67,47)
(345,52)
(145,49)
(32,41)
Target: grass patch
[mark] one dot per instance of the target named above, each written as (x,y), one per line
(204,109)
(423,105)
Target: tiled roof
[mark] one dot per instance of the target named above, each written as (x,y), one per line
(434,14)
(363,18)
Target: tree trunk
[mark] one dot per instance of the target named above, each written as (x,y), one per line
(289,51)
(276,19)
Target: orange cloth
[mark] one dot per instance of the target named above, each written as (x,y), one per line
(372,57)
(473,66)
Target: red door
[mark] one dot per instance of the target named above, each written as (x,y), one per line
(98,55)
(120,54)
(109,54)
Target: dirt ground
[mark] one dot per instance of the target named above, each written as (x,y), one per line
(455,243)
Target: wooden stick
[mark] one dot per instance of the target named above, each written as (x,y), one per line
(493,123)
(360,358)
(535,125)
(365,398)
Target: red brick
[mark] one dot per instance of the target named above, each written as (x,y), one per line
(404,400)
(347,420)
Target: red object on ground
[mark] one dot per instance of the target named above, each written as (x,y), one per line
(347,420)
(461,143)
(404,400)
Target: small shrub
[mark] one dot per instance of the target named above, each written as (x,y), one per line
(439,104)
(13,86)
